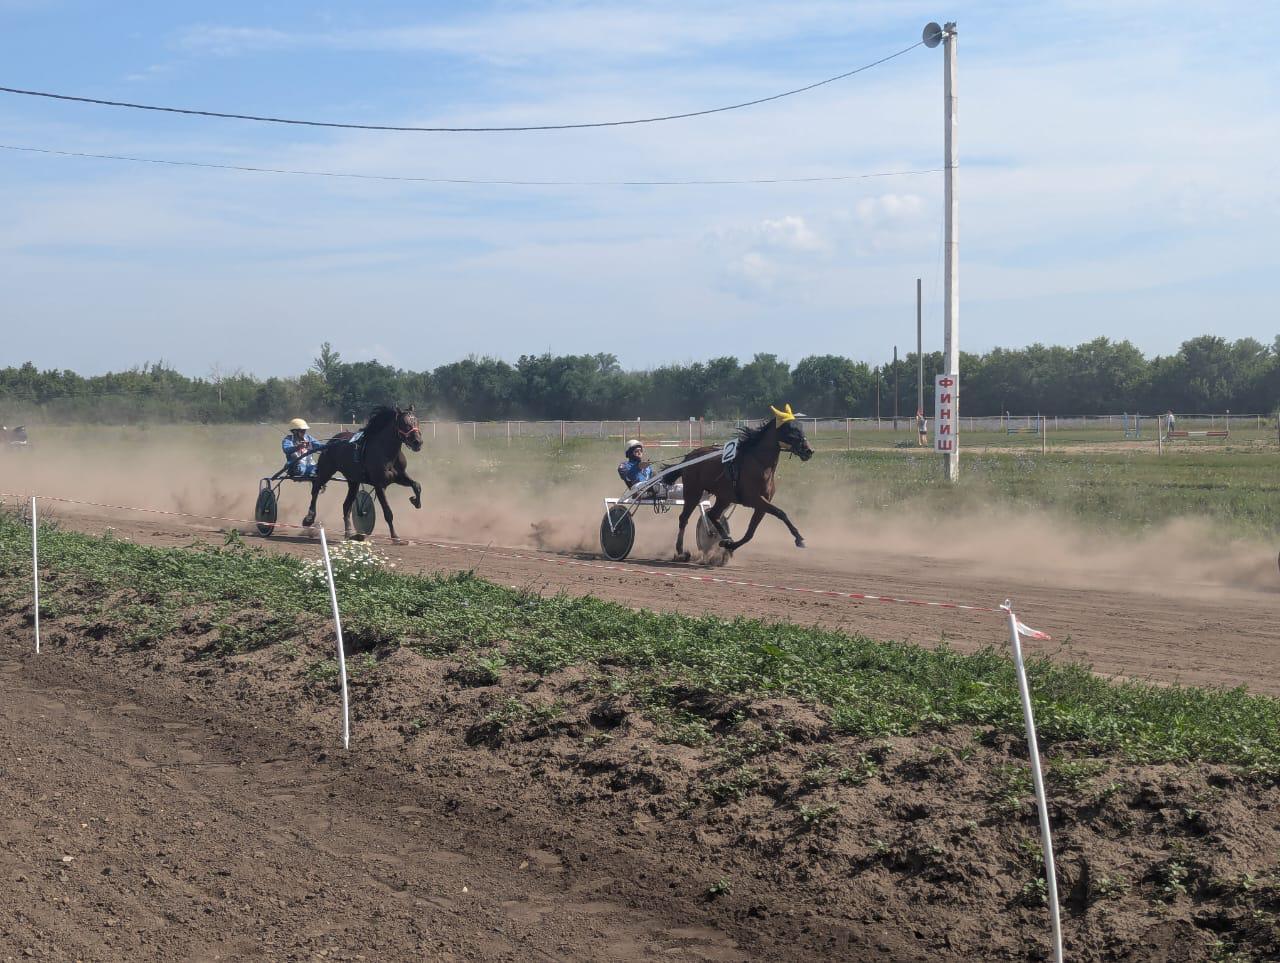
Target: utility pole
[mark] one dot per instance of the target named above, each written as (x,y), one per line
(919,353)
(896,393)
(946,35)
(878,399)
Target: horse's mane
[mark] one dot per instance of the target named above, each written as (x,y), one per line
(379,418)
(749,437)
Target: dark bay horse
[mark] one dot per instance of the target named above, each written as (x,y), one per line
(381,462)
(750,482)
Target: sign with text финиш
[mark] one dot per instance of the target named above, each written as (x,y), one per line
(946,407)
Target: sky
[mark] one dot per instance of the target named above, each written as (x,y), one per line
(1118,177)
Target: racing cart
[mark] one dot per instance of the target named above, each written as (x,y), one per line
(267,508)
(618,527)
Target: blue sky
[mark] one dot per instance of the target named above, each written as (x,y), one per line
(1119,177)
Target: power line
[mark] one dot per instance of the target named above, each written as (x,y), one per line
(469,180)
(457,130)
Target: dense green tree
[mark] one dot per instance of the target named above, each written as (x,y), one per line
(1206,374)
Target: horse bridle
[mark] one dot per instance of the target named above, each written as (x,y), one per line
(406,435)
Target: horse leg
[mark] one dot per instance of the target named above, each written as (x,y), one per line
(403,479)
(352,489)
(318,481)
(386,513)
(715,515)
(731,546)
(778,513)
(689,505)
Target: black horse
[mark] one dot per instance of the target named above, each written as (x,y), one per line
(377,459)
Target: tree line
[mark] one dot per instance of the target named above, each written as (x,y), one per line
(1206,374)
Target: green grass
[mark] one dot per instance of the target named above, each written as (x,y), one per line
(246,598)
(1123,492)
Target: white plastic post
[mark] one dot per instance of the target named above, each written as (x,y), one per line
(1033,748)
(35,570)
(337,625)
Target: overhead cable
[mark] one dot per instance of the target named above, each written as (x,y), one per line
(471,180)
(455,130)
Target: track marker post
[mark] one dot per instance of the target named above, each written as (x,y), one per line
(1033,749)
(337,625)
(35,570)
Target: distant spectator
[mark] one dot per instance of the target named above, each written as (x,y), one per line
(922,429)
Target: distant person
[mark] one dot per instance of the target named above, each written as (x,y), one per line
(300,450)
(1171,422)
(922,429)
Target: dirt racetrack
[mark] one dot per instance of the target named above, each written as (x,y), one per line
(1175,609)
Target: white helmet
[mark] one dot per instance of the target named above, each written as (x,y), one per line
(299,425)
(634,443)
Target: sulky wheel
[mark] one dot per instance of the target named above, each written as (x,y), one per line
(266,510)
(616,540)
(363,515)
(707,537)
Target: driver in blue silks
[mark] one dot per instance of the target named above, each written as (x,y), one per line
(634,469)
(300,449)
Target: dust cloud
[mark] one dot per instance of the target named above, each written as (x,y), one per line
(553,501)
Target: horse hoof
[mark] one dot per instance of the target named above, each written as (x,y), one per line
(400,541)
(683,556)
(415,501)
(799,543)
(726,544)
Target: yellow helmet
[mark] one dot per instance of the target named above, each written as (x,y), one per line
(299,425)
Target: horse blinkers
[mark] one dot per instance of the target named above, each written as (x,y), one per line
(792,436)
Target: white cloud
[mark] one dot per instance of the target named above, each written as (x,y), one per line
(789,233)
(889,209)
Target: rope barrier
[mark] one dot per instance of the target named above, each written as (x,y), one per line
(161,511)
(476,548)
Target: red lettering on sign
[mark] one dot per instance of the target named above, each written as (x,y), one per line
(944,444)
(944,414)
(944,429)
(947,382)
(945,397)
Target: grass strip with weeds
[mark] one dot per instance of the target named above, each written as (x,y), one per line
(865,687)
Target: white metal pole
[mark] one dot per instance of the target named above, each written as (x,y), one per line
(1033,749)
(951,261)
(337,626)
(35,569)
